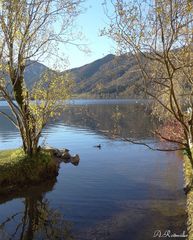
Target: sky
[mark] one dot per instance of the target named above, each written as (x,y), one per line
(90,23)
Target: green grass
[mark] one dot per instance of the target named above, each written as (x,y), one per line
(11,156)
(17,169)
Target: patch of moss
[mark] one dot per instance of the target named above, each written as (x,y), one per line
(17,169)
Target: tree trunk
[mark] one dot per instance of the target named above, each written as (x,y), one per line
(27,127)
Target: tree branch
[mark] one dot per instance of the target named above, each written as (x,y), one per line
(153,149)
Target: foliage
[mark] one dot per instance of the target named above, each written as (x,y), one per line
(28,32)
(49,94)
(172,129)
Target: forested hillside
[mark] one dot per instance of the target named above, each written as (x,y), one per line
(108,77)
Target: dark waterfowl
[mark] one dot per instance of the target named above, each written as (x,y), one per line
(98,146)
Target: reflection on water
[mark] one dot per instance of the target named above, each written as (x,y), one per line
(124,120)
(119,192)
(36,220)
(104,117)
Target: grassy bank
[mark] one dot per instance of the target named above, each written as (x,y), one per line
(18,170)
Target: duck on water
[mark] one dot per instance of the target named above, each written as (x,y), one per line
(98,146)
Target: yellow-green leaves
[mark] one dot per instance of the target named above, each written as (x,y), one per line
(48,97)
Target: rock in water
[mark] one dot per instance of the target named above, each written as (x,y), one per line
(65,154)
(75,159)
(57,153)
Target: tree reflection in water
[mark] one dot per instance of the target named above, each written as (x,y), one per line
(37,221)
(125,120)
(112,120)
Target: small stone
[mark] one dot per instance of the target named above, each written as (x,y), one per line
(66,155)
(75,159)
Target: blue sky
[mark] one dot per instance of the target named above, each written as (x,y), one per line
(90,24)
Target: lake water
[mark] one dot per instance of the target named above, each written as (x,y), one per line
(119,192)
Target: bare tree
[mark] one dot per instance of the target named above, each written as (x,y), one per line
(159,33)
(33,30)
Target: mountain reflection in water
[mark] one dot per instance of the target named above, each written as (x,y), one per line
(124,120)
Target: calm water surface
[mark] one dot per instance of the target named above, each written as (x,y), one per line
(119,192)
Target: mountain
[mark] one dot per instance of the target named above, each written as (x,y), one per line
(111,76)
(108,77)
(33,72)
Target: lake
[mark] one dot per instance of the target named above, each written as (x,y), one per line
(120,191)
